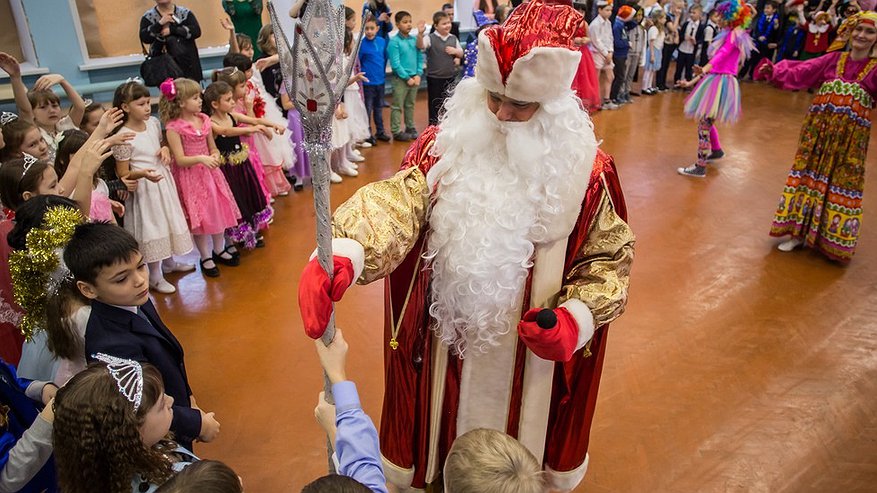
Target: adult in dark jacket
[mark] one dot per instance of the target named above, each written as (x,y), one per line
(381,11)
(173,28)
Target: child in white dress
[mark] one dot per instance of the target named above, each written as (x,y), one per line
(154,214)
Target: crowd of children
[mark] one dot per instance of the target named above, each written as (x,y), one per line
(100,203)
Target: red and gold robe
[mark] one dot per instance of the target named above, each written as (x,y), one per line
(432,396)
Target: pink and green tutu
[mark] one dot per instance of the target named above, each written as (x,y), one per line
(717,97)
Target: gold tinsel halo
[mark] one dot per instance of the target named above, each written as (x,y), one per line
(31,268)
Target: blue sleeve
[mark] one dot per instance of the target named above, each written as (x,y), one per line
(394,53)
(356,441)
(419,58)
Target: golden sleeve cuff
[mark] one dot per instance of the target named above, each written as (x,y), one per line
(386,217)
(600,275)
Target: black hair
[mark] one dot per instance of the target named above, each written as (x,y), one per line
(72,141)
(17,177)
(447,6)
(212,94)
(401,15)
(95,246)
(30,215)
(241,61)
(335,483)
(348,13)
(126,93)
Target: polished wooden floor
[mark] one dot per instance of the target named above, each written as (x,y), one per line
(735,368)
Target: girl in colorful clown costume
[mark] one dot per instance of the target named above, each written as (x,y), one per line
(821,206)
(717,95)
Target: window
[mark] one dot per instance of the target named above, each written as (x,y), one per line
(15,37)
(108,33)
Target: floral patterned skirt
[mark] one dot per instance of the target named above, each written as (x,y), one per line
(822,200)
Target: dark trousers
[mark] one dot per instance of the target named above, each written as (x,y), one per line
(620,72)
(756,56)
(374,106)
(666,57)
(437,89)
(684,66)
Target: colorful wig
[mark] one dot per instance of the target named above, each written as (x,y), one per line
(736,13)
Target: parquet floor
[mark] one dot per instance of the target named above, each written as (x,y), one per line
(735,368)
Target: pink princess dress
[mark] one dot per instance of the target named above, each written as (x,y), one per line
(207,201)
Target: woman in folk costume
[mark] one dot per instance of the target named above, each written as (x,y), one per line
(474,241)
(821,205)
(717,94)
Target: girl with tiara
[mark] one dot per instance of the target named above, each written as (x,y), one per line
(821,205)
(207,201)
(111,430)
(717,94)
(235,159)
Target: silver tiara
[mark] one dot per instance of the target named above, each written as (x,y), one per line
(134,79)
(7,117)
(128,375)
(28,162)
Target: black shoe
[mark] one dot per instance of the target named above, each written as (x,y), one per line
(234,261)
(291,179)
(402,137)
(371,140)
(260,241)
(412,132)
(718,154)
(383,137)
(635,94)
(298,187)
(209,271)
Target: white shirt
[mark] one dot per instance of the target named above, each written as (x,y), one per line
(427,42)
(602,40)
(656,38)
(687,45)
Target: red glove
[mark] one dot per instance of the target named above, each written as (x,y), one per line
(554,344)
(316,293)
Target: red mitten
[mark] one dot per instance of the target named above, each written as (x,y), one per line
(316,293)
(554,344)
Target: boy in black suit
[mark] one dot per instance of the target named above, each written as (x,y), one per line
(110,271)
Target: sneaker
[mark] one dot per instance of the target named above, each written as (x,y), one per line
(402,137)
(693,171)
(383,137)
(335,178)
(717,154)
(789,245)
(163,287)
(609,105)
(412,132)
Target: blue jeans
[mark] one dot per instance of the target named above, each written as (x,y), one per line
(374,106)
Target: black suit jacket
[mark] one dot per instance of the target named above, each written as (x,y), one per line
(121,333)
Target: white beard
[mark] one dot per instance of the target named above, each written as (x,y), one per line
(502,188)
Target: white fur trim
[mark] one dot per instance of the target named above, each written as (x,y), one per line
(539,373)
(486,383)
(584,318)
(352,249)
(566,481)
(527,80)
(398,476)
(439,372)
